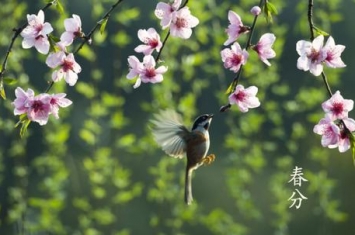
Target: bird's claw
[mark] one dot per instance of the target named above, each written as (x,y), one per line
(209,159)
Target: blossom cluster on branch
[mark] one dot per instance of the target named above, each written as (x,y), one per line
(37,34)
(39,107)
(180,22)
(235,57)
(336,128)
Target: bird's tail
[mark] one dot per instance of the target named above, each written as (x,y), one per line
(188,188)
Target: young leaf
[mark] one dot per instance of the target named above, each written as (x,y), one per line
(53,38)
(230,89)
(320,32)
(352,144)
(2,92)
(10,81)
(24,121)
(272,8)
(59,7)
(103,23)
(269,10)
(24,127)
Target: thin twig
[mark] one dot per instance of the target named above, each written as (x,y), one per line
(161,49)
(310,18)
(325,80)
(311,27)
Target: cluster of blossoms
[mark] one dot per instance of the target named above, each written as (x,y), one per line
(37,34)
(234,57)
(313,55)
(336,127)
(179,21)
(39,107)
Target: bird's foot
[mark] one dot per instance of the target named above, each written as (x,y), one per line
(209,159)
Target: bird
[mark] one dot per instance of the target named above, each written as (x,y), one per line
(176,140)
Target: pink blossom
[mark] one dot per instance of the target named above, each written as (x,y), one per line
(39,109)
(68,67)
(344,139)
(332,54)
(146,71)
(263,47)
(245,98)
(149,74)
(329,131)
(56,101)
(255,10)
(337,107)
(22,100)
(235,27)
(72,30)
(182,22)
(35,34)
(164,11)
(151,40)
(135,68)
(235,57)
(311,55)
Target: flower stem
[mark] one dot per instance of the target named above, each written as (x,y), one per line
(161,49)
(311,27)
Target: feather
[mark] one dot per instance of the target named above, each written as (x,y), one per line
(170,133)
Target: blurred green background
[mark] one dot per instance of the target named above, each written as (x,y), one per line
(97,169)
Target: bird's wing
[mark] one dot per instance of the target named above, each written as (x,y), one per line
(170,133)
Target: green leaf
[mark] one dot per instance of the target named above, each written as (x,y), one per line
(24,121)
(54,38)
(232,87)
(59,7)
(320,32)
(2,92)
(10,81)
(24,126)
(352,144)
(269,10)
(103,24)
(272,8)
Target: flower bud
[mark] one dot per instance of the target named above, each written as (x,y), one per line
(255,10)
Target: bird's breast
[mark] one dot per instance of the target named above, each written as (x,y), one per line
(197,148)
